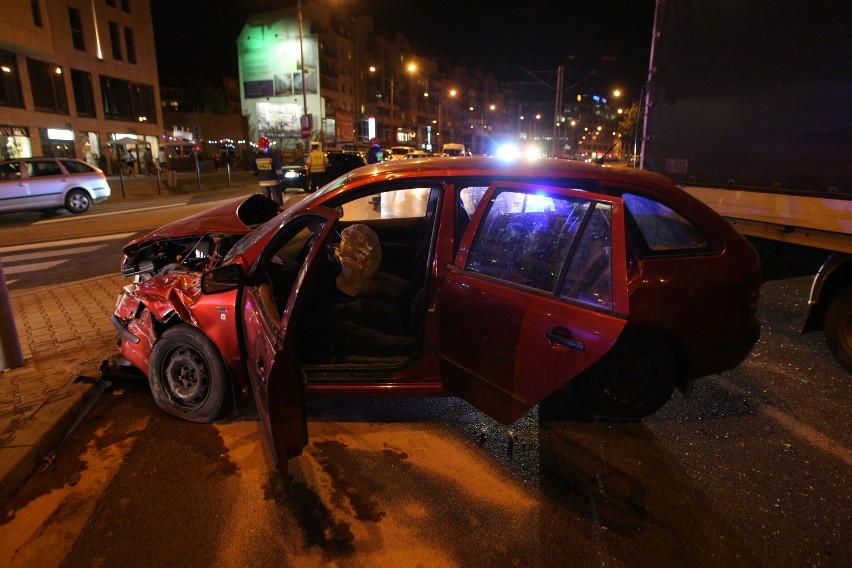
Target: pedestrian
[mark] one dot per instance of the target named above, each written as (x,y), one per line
(162,158)
(376,154)
(317,163)
(129,161)
(268,169)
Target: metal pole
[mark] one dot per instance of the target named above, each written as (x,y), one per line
(197,169)
(11,356)
(302,62)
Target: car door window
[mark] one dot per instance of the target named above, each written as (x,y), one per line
(40,168)
(589,274)
(525,238)
(10,170)
(412,202)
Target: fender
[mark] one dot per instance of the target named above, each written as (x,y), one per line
(833,276)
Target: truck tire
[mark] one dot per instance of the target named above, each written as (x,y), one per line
(838,328)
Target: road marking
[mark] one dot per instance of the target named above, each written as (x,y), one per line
(68,242)
(106,213)
(47,254)
(790,424)
(24,268)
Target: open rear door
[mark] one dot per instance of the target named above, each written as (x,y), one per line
(537,293)
(272,357)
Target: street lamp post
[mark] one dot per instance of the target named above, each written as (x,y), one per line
(302,62)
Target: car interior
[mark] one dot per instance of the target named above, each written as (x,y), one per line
(380,324)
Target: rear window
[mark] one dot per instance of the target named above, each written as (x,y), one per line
(663,229)
(77,167)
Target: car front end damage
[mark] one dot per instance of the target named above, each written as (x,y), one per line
(145,310)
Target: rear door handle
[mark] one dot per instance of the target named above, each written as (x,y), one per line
(563,336)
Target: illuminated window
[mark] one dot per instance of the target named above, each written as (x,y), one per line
(47,86)
(10,85)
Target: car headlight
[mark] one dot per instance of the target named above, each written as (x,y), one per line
(290,174)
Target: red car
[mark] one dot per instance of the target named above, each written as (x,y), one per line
(495,281)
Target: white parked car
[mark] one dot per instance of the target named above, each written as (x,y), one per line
(44,183)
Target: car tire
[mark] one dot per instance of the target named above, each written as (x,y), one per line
(77,201)
(837,328)
(187,375)
(631,382)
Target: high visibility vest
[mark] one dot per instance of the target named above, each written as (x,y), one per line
(317,159)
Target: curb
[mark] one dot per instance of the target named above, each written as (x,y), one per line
(32,447)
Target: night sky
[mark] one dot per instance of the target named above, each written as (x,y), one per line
(610,37)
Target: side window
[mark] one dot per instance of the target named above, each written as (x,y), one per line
(44,168)
(525,238)
(10,170)
(589,275)
(663,229)
(396,204)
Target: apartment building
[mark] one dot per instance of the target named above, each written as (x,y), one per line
(76,76)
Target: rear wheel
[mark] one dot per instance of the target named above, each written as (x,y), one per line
(633,381)
(187,376)
(77,201)
(838,328)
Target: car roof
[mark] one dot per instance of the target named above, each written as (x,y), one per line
(490,166)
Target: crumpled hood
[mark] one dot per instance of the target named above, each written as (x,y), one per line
(235,218)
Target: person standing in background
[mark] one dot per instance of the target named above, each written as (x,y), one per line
(268,169)
(376,154)
(317,163)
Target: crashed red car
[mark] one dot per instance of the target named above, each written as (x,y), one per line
(495,281)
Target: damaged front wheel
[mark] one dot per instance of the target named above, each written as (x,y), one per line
(187,376)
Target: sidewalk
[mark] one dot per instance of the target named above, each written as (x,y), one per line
(65,332)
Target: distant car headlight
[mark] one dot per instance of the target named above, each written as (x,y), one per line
(290,174)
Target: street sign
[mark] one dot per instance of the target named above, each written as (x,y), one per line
(306,132)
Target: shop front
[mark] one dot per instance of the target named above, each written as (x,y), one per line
(15,142)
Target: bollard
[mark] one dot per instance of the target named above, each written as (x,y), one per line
(172,179)
(11,356)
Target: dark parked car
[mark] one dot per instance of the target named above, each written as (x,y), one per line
(341,162)
(47,183)
(498,282)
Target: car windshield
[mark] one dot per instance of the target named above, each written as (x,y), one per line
(250,239)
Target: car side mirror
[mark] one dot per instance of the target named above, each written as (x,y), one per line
(222,279)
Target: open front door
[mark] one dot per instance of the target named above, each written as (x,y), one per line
(537,293)
(271,303)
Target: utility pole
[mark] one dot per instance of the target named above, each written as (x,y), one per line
(557,111)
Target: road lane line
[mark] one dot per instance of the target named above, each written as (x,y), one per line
(47,254)
(68,242)
(790,424)
(25,268)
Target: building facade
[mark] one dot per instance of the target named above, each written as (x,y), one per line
(360,85)
(76,76)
